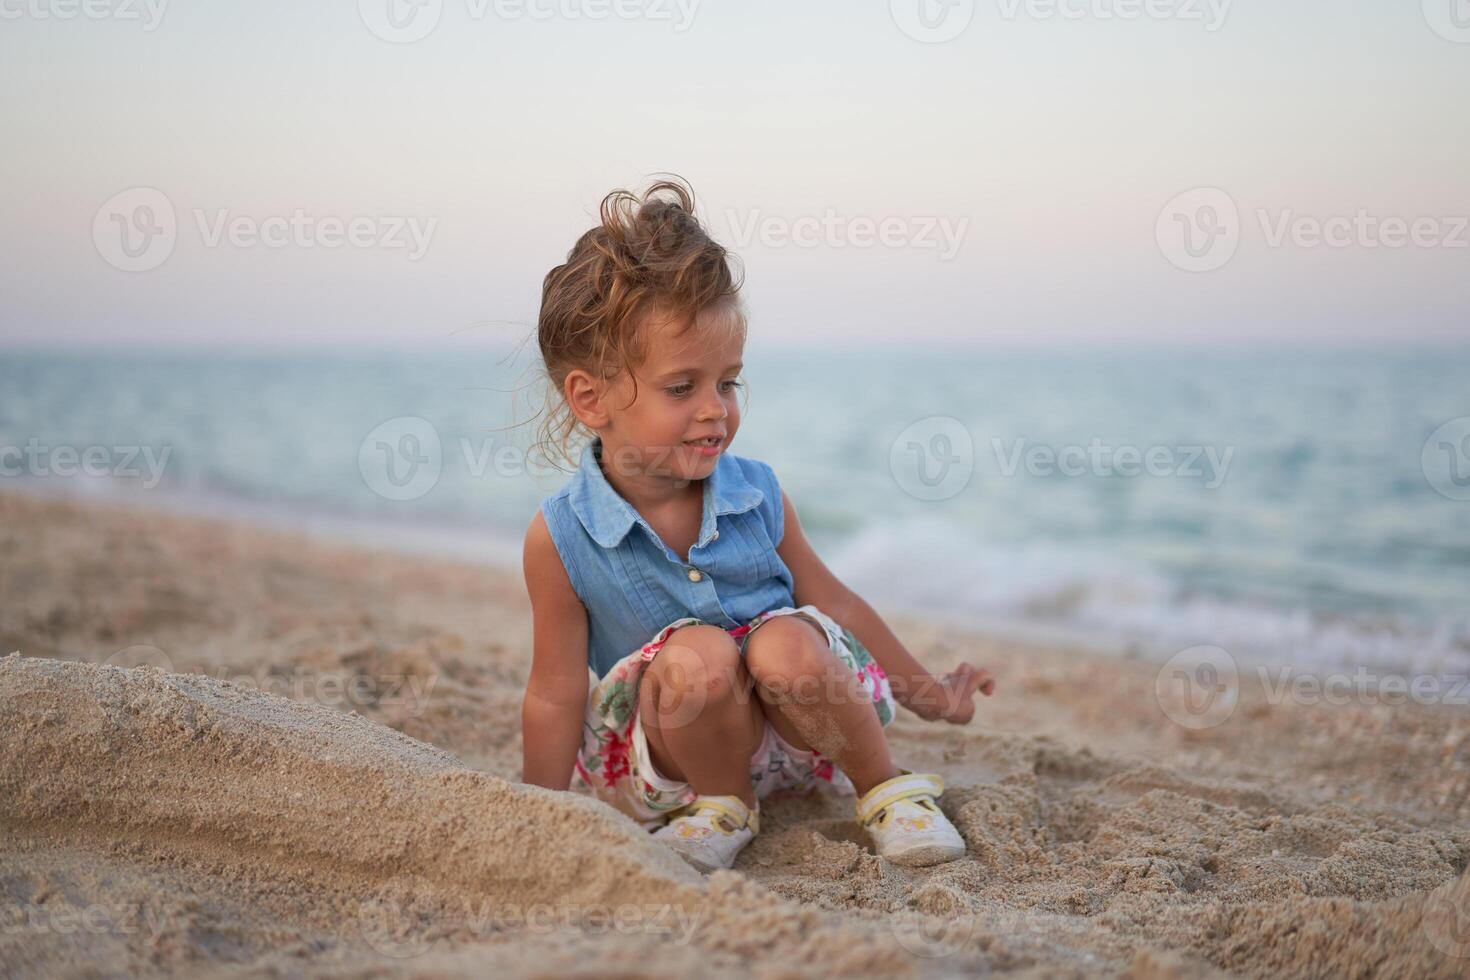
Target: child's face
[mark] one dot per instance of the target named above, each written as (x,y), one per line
(687,389)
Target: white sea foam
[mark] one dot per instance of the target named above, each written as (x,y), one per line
(1112,602)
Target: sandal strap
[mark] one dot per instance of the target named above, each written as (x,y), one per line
(910,785)
(727,806)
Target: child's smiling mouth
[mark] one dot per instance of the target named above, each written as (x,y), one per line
(706,447)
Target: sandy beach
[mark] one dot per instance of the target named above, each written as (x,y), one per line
(228,751)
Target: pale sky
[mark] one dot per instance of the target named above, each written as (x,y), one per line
(1020,168)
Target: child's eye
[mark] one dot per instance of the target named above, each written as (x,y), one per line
(679,391)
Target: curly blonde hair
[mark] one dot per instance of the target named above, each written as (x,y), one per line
(649,253)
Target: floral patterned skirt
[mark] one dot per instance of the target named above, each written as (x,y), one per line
(614,762)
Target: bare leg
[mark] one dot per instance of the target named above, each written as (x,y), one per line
(699,715)
(810,694)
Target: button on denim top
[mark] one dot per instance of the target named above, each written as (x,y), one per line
(633,584)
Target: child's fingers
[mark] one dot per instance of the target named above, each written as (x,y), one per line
(965,680)
(952,691)
(976,679)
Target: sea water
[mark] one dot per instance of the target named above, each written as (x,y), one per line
(1290,505)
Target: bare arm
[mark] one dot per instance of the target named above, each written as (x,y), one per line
(929,697)
(556,693)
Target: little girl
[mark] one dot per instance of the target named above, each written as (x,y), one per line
(692,652)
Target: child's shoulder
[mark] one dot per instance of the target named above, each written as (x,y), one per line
(553,512)
(757,488)
(753,470)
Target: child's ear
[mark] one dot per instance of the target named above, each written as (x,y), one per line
(584,395)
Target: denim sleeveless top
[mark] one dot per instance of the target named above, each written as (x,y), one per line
(633,584)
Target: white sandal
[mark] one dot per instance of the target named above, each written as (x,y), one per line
(902,816)
(710,831)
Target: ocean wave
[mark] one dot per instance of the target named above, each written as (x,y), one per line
(1116,601)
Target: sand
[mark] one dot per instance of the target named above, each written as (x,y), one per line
(226,751)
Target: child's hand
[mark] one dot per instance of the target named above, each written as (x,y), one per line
(955,692)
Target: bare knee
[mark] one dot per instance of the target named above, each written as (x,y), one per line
(698,667)
(789,659)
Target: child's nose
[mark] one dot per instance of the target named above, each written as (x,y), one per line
(713,407)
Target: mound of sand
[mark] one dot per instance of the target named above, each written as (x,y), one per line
(237,813)
(115,776)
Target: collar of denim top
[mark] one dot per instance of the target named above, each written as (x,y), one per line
(608,517)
